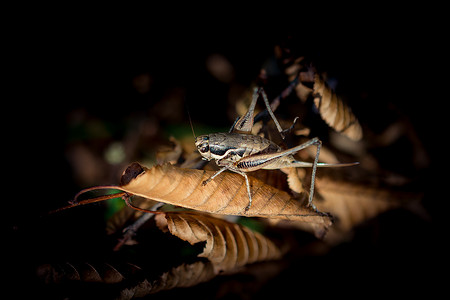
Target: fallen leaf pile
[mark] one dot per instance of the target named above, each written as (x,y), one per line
(208,220)
(228,247)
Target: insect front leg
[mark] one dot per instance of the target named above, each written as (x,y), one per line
(249,193)
(223,162)
(247,183)
(226,162)
(232,167)
(214,175)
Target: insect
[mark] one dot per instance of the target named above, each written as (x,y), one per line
(241,152)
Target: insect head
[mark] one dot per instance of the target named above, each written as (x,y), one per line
(202,144)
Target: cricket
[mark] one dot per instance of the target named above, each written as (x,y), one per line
(241,152)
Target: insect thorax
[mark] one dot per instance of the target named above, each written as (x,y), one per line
(231,147)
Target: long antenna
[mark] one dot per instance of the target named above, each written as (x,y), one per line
(190,120)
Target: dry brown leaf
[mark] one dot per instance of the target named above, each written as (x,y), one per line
(331,107)
(305,75)
(131,281)
(169,154)
(185,275)
(349,203)
(85,272)
(295,179)
(353,204)
(229,246)
(334,111)
(226,194)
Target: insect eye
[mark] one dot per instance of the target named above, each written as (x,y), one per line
(204,149)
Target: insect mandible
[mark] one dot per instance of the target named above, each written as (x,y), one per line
(241,152)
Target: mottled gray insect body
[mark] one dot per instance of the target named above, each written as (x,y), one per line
(233,146)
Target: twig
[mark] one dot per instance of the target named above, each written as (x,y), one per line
(131,230)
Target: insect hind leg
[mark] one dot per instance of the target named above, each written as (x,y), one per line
(245,123)
(318,143)
(269,110)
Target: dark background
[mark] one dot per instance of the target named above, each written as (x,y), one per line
(56,67)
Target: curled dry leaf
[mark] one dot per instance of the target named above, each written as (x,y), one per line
(226,194)
(126,281)
(295,179)
(331,107)
(185,275)
(169,154)
(229,246)
(305,75)
(350,203)
(334,111)
(85,272)
(353,203)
